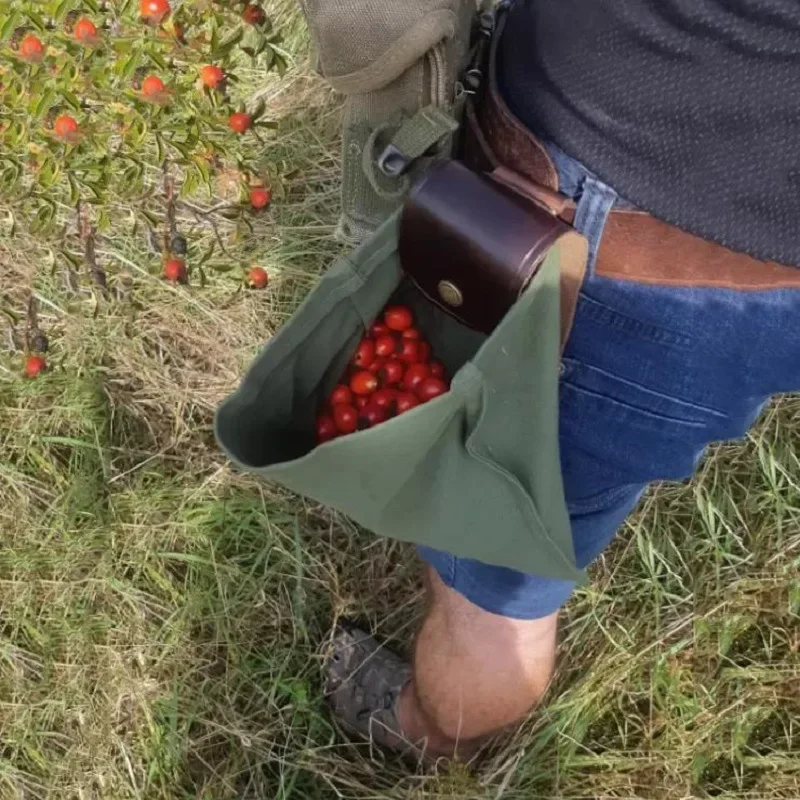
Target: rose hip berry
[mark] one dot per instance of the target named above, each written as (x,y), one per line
(385,345)
(345,418)
(326,429)
(154,11)
(153,86)
(405,401)
(34,366)
(361,402)
(398,318)
(254,15)
(341,395)
(363,383)
(257,278)
(239,122)
(175,270)
(85,31)
(377,330)
(377,365)
(212,76)
(31,48)
(414,376)
(409,351)
(437,369)
(424,351)
(365,354)
(384,398)
(392,373)
(65,126)
(371,415)
(411,333)
(259,197)
(430,388)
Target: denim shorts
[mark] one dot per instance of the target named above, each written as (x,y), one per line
(650,376)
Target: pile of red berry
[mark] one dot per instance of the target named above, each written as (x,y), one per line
(390,373)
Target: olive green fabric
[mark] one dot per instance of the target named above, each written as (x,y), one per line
(475,472)
(391,60)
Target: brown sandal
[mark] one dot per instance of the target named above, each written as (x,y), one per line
(363,682)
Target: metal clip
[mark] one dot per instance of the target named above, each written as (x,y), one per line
(392,162)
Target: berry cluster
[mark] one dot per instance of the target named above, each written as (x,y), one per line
(391,372)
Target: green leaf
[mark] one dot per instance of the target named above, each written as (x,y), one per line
(207,255)
(279,62)
(160,147)
(259,110)
(230,42)
(222,266)
(74,189)
(150,217)
(8,25)
(72,100)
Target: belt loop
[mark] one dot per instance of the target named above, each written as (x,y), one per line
(594,206)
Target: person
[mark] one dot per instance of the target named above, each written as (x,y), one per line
(680,120)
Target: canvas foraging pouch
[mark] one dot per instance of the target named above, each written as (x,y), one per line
(398,65)
(476,471)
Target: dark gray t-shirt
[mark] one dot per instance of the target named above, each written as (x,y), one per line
(688,108)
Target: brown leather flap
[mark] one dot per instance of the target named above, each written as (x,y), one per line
(472,243)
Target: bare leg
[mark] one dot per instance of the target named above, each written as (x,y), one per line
(475,673)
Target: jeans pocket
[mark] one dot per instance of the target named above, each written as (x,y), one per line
(616,433)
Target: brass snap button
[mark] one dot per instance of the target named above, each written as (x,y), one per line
(450,293)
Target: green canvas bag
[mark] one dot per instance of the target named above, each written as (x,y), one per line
(476,471)
(399,67)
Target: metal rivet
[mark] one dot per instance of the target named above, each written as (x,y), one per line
(450,293)
(562,369)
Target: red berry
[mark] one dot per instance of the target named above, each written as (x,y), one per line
(326,429)
(384,398)
(257,278)
(409,351)
(212,76)
(430,388)
(85,31)
(365,354)
(259,197)
(414,376)
(345,418)
(153,86)
(65,126)
(31,48)
(377,365)
(398,318)
(34,365)
(239,122)
(386,345)
(341,395)
(437,369)
(363,383)
(391,373)
(175,270)
(254,15)
(154,11)
(405,401)
(378,329)
(371,415)
(361,402)
(424,351)
(411,333)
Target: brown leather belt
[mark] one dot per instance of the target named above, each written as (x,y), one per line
(635,245)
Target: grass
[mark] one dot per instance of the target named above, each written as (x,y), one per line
(162,618)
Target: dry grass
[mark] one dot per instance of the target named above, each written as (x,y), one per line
(161,617)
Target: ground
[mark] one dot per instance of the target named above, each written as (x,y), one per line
(162,618)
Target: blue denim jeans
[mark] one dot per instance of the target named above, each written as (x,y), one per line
(650,376)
